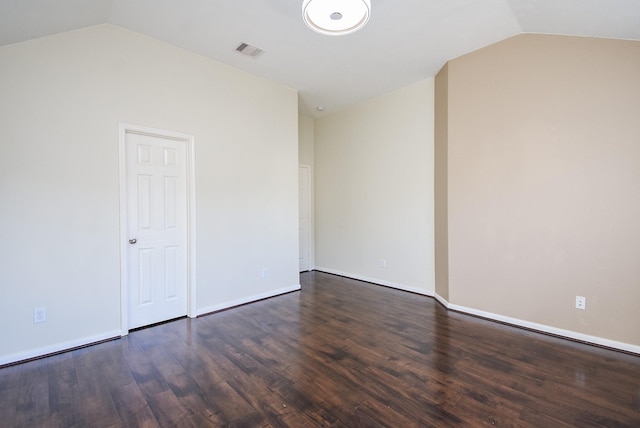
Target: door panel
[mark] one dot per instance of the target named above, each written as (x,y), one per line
(157,229)
(145,256)
(170,272)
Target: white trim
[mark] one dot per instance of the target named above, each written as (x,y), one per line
(249,299)
(396,285)
(312,220)
(189,139)
(441,299)
(568,334)
(191,226)
(59,347)
(122,162)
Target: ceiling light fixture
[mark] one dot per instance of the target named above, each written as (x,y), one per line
(336,17)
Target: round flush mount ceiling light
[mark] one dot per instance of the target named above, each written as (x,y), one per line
(336,17)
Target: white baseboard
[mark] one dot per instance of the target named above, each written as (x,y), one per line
(568,334)
(442,300)
(245,300)
(58,347)
(396,285)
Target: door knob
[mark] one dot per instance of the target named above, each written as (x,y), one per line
(133,241)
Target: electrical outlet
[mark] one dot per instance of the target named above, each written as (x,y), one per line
(39,315)
(383,263)
(581,302)
(264,273)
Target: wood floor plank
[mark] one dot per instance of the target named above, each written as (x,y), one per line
(93,401)
(63,386)
(32,404)
(339,353)
(9,393)
(167,408)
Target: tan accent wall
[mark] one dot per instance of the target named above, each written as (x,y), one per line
(544,182)
(441,235)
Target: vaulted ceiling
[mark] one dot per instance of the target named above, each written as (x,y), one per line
(404,42)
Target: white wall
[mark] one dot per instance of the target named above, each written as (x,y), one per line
(61,100)
(374,190)
(306,127)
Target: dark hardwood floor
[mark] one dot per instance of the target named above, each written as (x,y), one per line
(338,353)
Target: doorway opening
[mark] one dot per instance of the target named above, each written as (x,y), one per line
(157,226)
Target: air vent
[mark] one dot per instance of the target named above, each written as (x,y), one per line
(248,50)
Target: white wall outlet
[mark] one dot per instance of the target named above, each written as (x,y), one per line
(383,263)
(39,315)
(581,302)
(264,273)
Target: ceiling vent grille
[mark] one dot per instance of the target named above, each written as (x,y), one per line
(248,50)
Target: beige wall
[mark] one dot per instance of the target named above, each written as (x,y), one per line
(441,220)
(543,183)
(374,190)
(62,99)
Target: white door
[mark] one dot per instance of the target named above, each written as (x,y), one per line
(156,182)
(304,220)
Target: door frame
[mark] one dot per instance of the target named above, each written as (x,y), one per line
(310,208)
(189,140)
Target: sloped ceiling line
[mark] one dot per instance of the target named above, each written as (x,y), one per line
(405,41)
